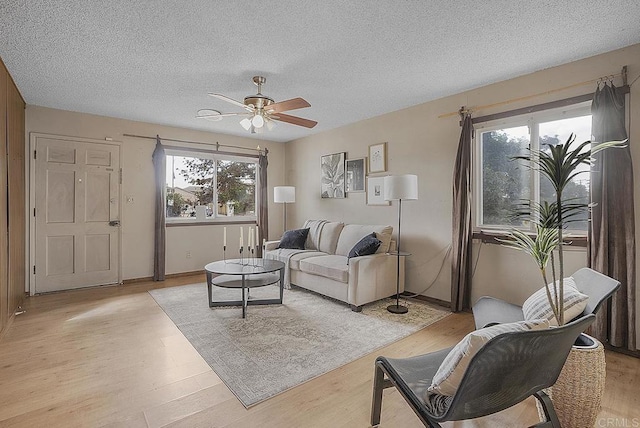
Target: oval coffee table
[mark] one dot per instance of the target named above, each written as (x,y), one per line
(245,275)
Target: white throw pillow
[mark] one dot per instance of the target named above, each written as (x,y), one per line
(537,306)
(449,374)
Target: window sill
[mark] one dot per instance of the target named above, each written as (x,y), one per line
(207,223)
(493,237)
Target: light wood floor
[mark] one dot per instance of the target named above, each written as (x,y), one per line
(111,357)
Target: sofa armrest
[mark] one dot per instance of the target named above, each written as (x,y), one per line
(271,245)
(373,277)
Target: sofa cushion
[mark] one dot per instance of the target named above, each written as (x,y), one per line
(366,246)
(313,238)
(329,266)
(294,239)
(294,261)
(286,254)
(352,233)
(329,237)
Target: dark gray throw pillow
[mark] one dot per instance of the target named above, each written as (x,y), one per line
(294,239)
(366,246)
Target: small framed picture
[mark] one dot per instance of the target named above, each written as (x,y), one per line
(356,169)
(378,157)
(375,191)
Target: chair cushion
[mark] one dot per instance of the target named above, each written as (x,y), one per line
(294,239)
(449,374)
(366,246)
(537,306)
(329,266)
(352,233)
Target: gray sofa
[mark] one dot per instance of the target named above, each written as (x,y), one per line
(323,266)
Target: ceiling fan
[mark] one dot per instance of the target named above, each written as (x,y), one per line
(260,110)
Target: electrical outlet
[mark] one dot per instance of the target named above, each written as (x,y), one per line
(188,254)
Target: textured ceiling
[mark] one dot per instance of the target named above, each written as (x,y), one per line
(155,61)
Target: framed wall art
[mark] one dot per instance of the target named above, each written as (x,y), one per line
(333,176)
(375,191)
(378,157)
(356,172)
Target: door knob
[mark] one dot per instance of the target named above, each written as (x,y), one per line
(114,223)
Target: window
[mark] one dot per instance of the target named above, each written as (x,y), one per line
(504,183)
(209,187)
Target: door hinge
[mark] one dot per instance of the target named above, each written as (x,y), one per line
(35,154)
(120,175)
(34,212)
(34,269)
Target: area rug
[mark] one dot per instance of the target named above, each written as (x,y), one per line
(277,347)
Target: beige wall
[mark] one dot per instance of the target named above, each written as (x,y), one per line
(204,242)
(421,143)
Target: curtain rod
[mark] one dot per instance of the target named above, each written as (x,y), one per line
(545,106)
(218,145)
(622,74)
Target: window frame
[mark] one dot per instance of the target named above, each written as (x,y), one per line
(532,121)
(215,218)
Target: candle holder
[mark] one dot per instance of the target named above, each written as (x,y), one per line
(224,253)
(241,256)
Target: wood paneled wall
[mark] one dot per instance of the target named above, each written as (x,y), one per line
(12,198)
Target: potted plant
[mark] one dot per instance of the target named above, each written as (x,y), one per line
(578,391)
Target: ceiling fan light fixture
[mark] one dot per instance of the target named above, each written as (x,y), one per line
(257,121)
(246,123)
(271,124)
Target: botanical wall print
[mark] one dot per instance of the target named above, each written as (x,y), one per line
(355,175)
(378,157)
(375,191)
(333,175)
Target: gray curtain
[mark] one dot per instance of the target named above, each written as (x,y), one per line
(462,228)
(612,249)
(263,200)
(159,167)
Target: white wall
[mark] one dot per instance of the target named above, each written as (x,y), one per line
(421,143)
(204,242)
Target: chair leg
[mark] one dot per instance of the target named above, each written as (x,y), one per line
(376,403)
(549,411)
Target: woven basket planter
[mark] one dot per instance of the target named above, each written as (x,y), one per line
(577,394)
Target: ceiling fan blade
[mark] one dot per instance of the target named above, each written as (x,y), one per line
(215,115)
(232,101)
(207,116)
(294,120)
(235,114)
(292,104)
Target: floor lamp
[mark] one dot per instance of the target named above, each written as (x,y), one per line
(399,187)
(284,195)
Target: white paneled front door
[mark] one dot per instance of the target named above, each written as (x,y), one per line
(77,197)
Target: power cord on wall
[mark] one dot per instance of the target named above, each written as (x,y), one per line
(444,259)
(475,265)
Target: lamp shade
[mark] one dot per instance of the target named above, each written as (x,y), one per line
(400,187)
(284,194)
